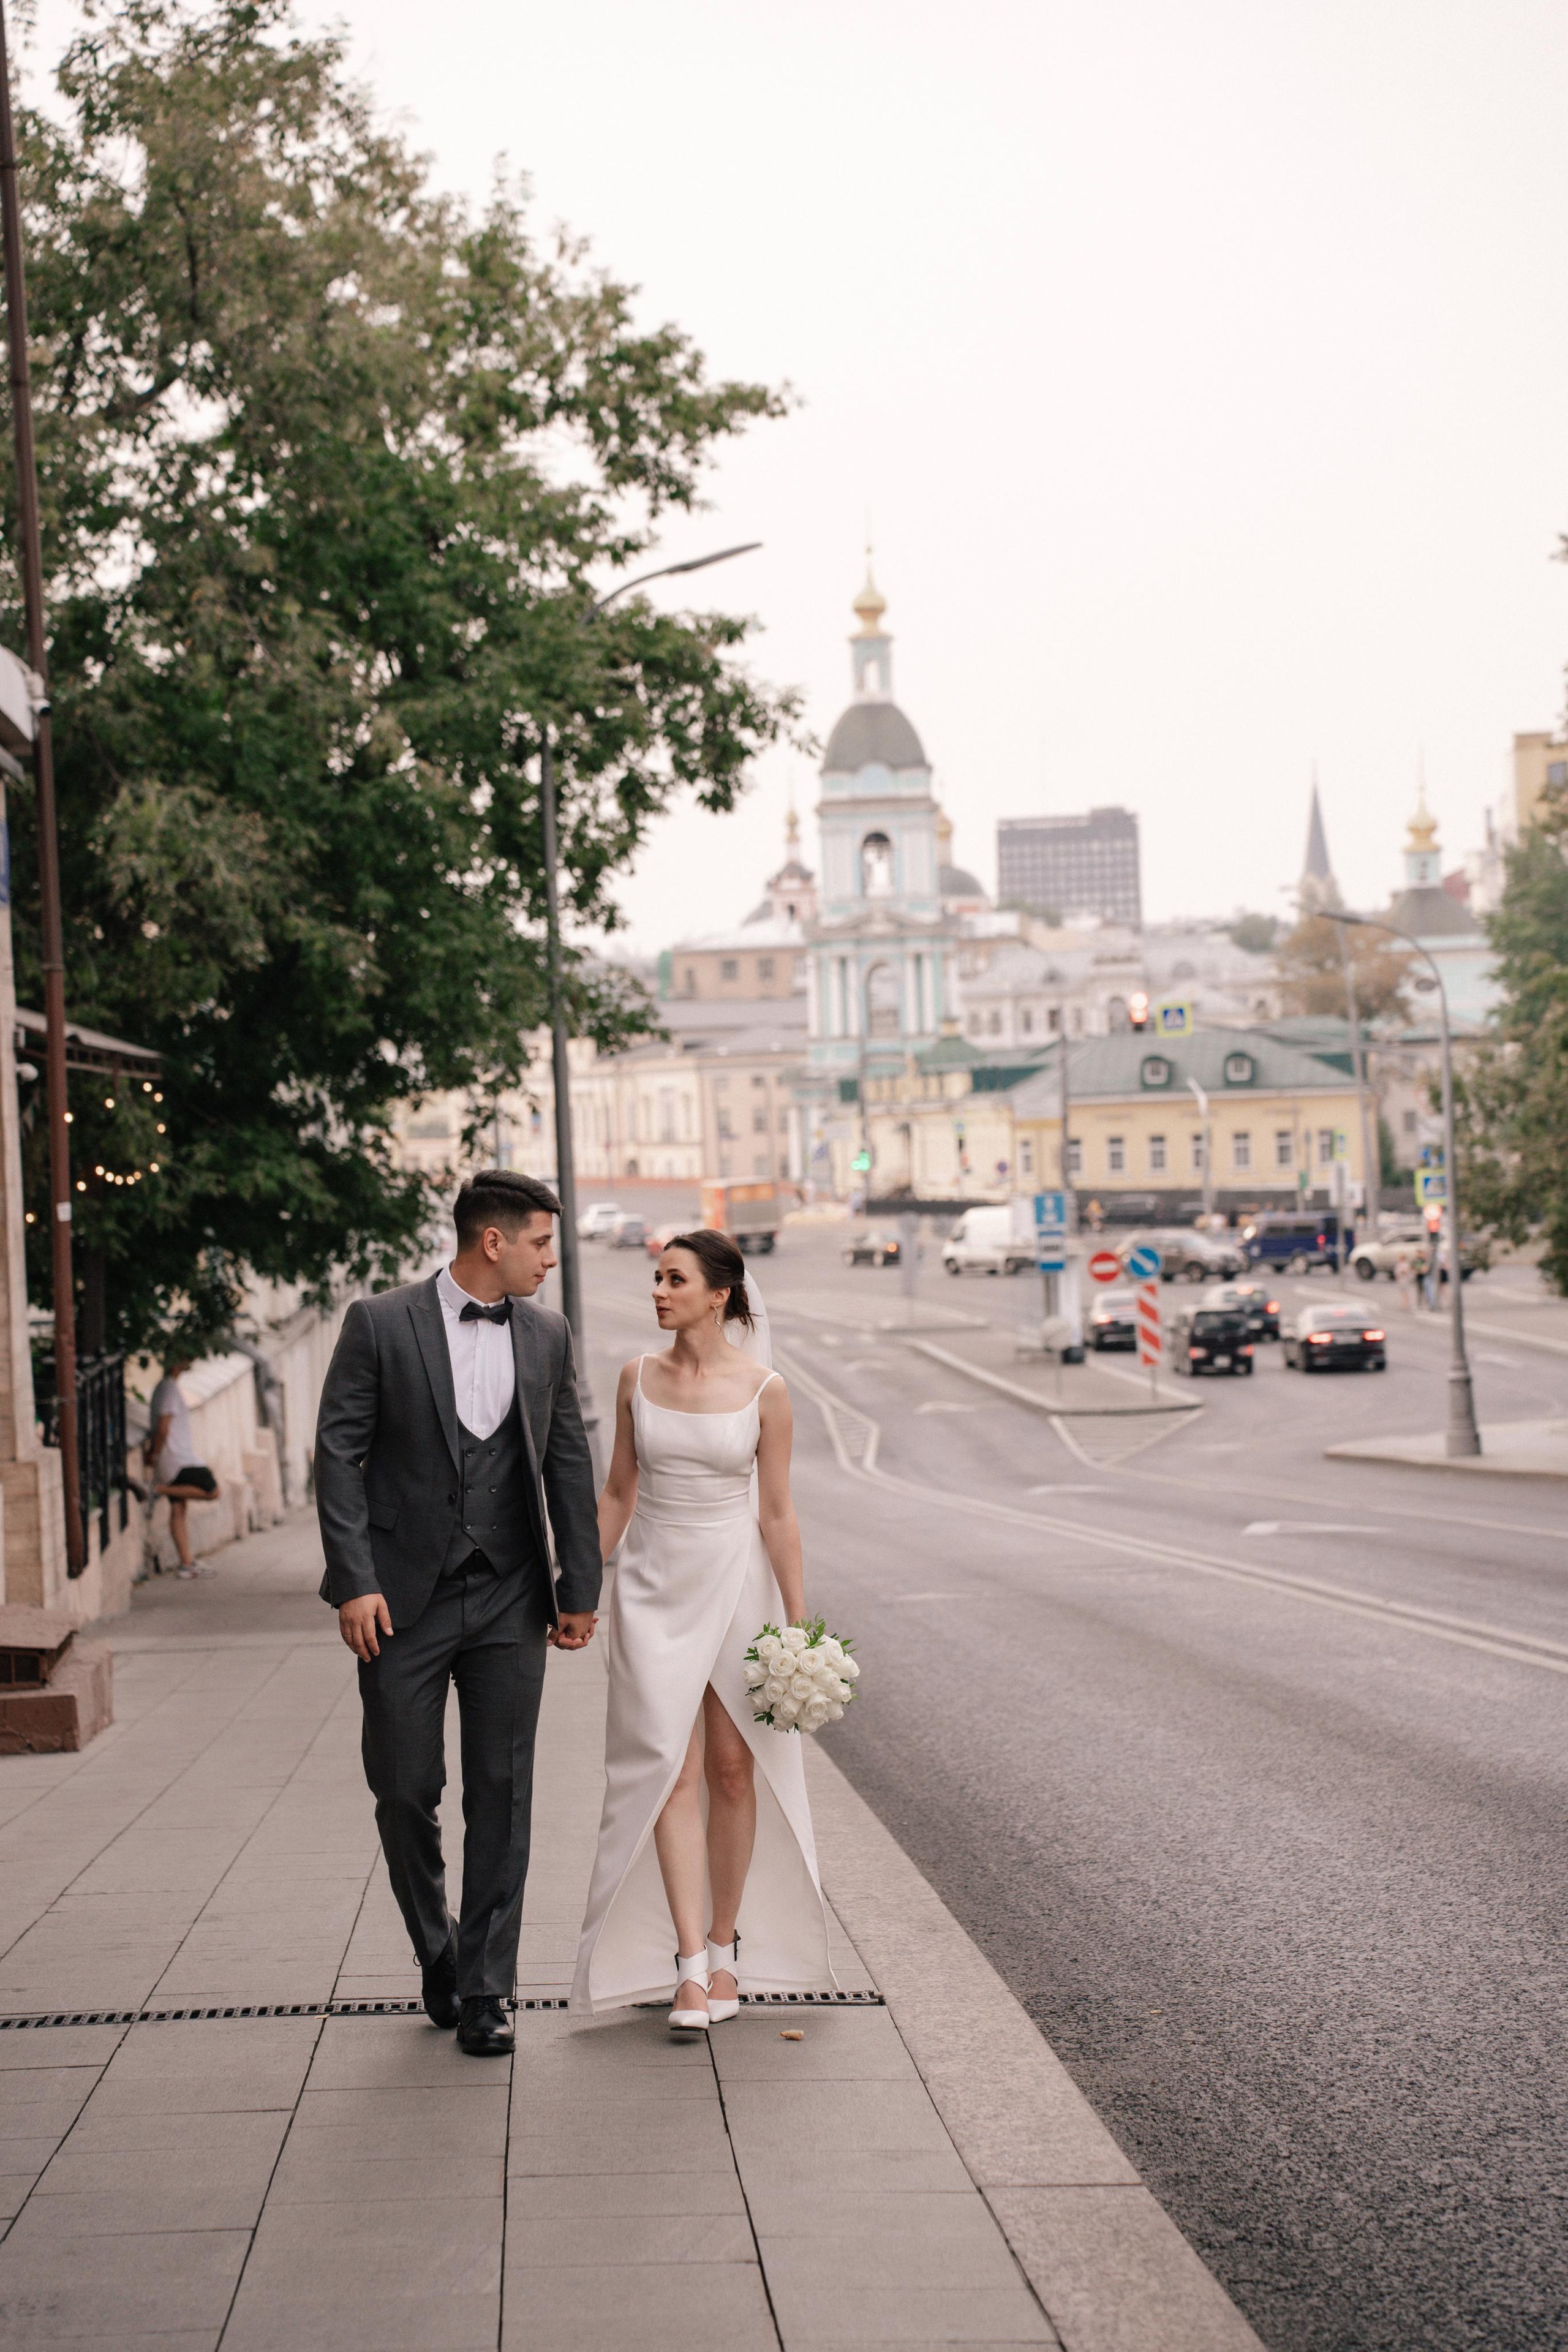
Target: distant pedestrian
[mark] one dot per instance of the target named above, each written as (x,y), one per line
(169,1452)
(1403,1276)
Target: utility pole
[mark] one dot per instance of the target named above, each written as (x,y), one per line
(1371,1166)
(52,928)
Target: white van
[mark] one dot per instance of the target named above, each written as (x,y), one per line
(984,1242)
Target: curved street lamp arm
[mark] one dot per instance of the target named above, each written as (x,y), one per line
(669,571)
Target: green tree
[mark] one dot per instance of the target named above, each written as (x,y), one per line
(1313,977)
(326,464)
(1512,1103)
(1255,933)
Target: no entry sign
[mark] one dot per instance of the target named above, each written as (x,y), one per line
(1104,1267)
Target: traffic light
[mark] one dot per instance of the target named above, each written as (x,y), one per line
(1138,1008)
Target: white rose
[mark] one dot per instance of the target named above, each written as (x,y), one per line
(801,1686)
(831,1649)
(755,1673)
(788,1706)
(774,1688)
(795,1637)
(851,1671)
(814,1716)
(835,1712)
(769,1647)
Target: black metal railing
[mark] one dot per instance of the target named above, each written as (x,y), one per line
(100,1433)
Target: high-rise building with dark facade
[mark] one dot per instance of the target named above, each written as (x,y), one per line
(1072,865)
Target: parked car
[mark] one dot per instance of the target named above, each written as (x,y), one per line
(983,1242)
(1251,1299)
(657,1242)
(1335,1338)
(1207,1339)
(1294,1239)
(1111,1321)
(1382,1255)
(629,1232)
(1189,1257)
(872,1249)
(597,1219)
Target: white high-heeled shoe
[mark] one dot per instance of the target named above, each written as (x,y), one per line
(722,1955)
(695,1971)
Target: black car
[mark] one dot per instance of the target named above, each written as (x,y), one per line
(873,1249)
(1334,1340)
(1249,1299)
(1209,1340)
(1111,1324)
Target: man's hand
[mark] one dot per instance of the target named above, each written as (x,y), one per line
(359,1620)
(576,1630)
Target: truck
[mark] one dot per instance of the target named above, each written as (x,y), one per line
(749,1213)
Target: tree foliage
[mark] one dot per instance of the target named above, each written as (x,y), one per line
(326,465)
(1312,976)
(1511,1105)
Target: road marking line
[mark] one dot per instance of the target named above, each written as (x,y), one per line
(932,1405)
(1496,1641)
(1302,1527)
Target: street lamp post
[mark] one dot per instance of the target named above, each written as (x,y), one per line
(1464,1438)
(1203,1101)
(565,1157)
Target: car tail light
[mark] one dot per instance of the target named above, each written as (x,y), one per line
(1319,1338)
(1246,1351)
(1196,1353)
(1373,1335)
(1272,1308)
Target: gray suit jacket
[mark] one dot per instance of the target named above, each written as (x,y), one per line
(386,1452)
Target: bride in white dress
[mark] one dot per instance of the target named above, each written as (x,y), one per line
(699,1848)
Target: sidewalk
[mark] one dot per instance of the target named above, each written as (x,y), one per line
(1509,1449)
(916,2173)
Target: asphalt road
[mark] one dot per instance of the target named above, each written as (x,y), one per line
(1278,1870)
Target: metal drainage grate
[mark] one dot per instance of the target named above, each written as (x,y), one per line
(237,2009)
(811,2000)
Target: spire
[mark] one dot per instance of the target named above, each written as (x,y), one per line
(870,604)
(943,837)
(1317,887)
(1423,858)
(791,829)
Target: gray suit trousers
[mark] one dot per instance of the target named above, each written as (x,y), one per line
(485,1634)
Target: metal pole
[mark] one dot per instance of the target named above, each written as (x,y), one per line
(1464,1436)
(1203,1102)
(1371,1169)
(565,1166)
(53,937)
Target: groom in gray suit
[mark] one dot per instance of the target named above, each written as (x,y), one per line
(449,1419)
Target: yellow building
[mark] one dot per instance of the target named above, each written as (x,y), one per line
(1538,761)
(1279,1123)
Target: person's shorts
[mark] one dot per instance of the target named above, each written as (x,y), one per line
(194,1474)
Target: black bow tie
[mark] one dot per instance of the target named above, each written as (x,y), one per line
(474,1313)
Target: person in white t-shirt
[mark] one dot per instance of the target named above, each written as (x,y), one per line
(169,1452)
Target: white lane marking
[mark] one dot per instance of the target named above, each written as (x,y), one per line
(931,1596)
(1491,1355)
(1496,1641)
(1067,1490)
(1520,1338)
(1302,1527)
(933,1406)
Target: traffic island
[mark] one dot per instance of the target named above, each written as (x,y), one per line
(1509,1449)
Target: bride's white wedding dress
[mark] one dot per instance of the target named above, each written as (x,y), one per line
(691,1589)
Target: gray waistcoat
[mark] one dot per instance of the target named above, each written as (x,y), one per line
(493,1515)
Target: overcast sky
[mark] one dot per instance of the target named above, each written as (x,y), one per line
(1201,366)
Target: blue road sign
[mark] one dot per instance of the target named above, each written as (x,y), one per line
(1051,1231)
(1143,1263)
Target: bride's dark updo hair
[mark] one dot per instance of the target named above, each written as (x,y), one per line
(723,1268)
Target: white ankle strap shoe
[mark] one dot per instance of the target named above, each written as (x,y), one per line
(689,1972)
(722,1955)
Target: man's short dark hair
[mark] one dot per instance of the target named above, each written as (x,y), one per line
(500,1196)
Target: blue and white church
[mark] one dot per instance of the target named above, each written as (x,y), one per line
(881,954)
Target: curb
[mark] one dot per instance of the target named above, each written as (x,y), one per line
(1112,2272)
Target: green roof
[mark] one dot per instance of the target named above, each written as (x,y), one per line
(1111,1069)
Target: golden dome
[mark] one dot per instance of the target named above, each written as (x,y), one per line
(870,604)
(1422,826)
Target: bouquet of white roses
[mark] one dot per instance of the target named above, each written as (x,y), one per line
(800,1679)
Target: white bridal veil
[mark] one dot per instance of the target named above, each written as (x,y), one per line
(757,1342)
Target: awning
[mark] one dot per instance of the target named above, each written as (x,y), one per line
(88,1049)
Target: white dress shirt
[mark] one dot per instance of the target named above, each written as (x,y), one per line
(484,1370)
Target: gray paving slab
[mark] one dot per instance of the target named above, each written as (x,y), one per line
(408,2122)
(859,2045)
(574,2240)
(310,2172)
(108,2289)
(606,2194)
(60,2045)
(664,2135)
(658,2306)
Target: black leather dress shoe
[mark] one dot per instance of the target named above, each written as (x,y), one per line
(439,1987)
(484,2029)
